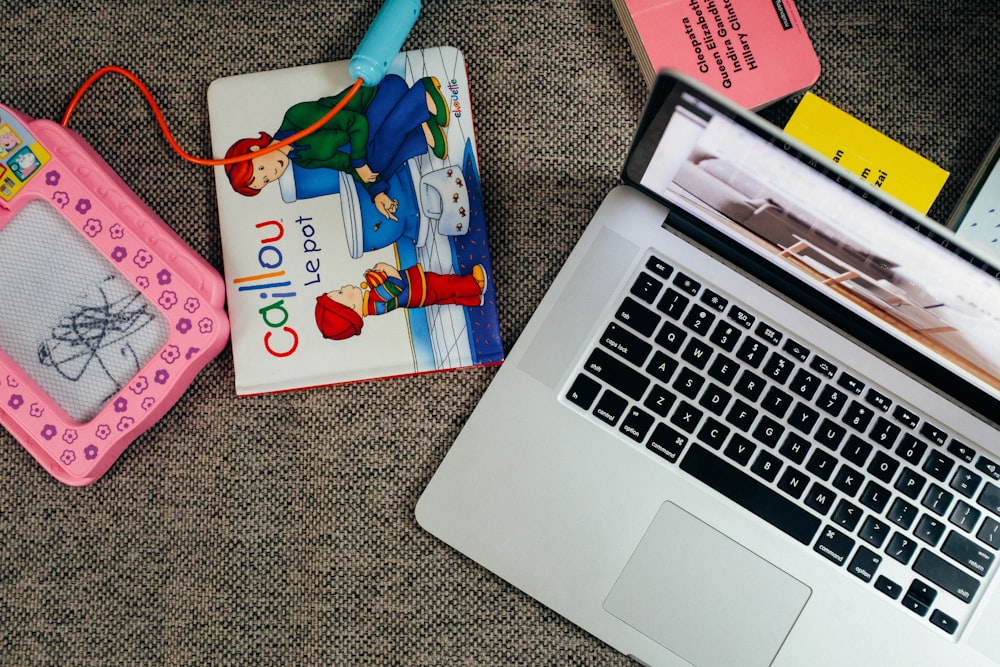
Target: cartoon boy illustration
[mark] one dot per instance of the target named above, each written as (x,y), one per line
(340,313)
(381,128)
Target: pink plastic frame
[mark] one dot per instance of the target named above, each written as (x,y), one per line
(188,292)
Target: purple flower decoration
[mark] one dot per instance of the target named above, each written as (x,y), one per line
(61,199)
(125,423)
(93,227)
(15,401)
(161,377)
(12,381)
(70,436)
(184,325)
(90,452)
(117,232)
(192,304)
(168,299)
(68,457)
(121,404)
(170,354)
(164,277)
(36,410)
(139,385)
(83,206)
(143,258)
(49,431)
(206,325)
(148,403)
(142,282)
(52,178)
(103,431)
(119,253)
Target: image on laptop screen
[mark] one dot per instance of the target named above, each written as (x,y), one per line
(819,224)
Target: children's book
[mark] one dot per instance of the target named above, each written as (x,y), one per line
(359,251)
(753,51)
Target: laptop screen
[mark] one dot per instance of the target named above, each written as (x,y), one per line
(900,276)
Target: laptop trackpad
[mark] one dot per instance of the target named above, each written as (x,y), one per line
(705,597)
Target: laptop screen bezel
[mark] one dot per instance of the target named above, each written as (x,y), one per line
(908,358)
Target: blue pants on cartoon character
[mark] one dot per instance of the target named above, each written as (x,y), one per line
(395,137)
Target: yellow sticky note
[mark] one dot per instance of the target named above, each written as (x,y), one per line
(863,150)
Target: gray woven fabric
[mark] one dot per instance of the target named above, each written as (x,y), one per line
(279,530)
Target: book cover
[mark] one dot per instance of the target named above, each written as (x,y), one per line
(863,150)
(360,252)
(753,51)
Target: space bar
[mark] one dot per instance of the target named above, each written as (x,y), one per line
(743,489)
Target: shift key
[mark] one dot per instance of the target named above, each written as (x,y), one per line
(947,576)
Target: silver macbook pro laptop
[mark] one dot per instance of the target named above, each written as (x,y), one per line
(754,420)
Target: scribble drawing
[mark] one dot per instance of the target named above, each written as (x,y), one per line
(98,336)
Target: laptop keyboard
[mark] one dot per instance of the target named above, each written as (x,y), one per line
(837,464)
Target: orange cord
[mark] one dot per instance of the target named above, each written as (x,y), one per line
(208,162)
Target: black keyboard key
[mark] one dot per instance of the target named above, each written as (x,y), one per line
(778,368)
(637,316)
(793,482)
(805,384)
(990,498)
(688,383)
(929,529)
(646,287)
(662,367)
(672,304)
(725,335)
(751,494)
(911,449)
(947,576)
(751,352)
(937,500)
(768,333)
(697,353)
(851,383)
(659,400)
(796,349)
(847,515)
(776,402)
(636,424)
(667,442)
(988,468)
(610,408)
(966,482)
(934,433)
(823,367)
(687,284)
(618,374)
(821,464)
(750,385)
(989,533)
(901,548)
(831,400)
(768,431)
(888,587)
(962,451)
(878,400)
(820,499)
(583,391)
(938,465)
(902,513)
(919,597)
(766,466)
(830,433)
(803,418)
(686,417)
(965,516)
(944,621)
(740,450)
(626,344)
(910,484)
(795,448)
(857,451)
(834,545)
(905,417)
(875,497)
(874,531)
(883,467)
(671,337)
(723,369)
(884,433)
(848,481)
(714,300)
(699,320)
(741,415)
(659,267)
(865,564)
(858,416)
(713,433)
(740,317)
(714,399)
(967,553)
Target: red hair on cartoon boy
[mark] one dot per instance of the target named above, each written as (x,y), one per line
(240,174)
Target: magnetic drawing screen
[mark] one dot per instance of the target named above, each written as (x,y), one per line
(68,318)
